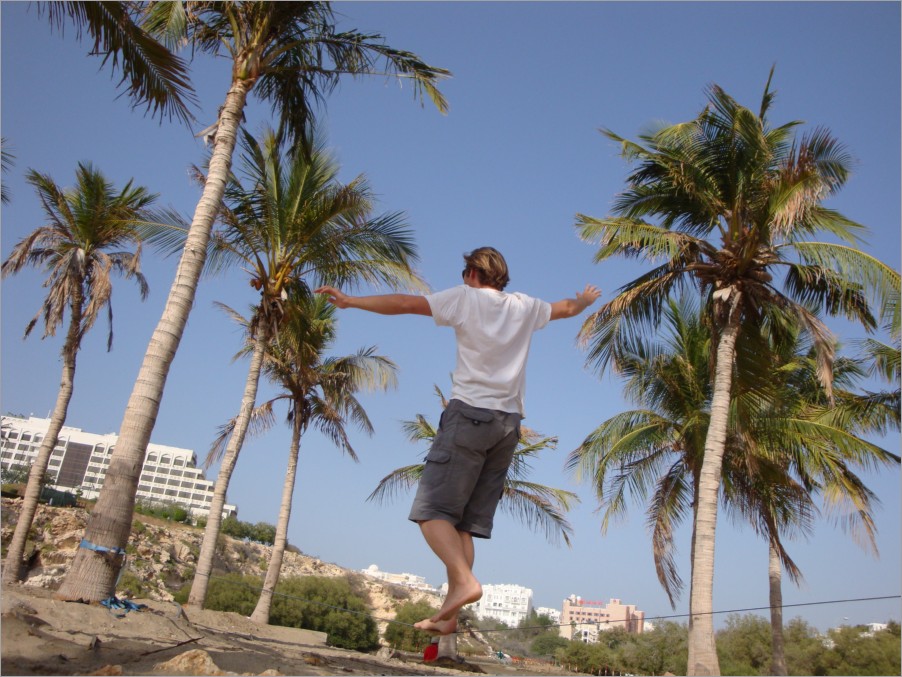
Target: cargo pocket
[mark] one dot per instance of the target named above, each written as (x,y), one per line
(438,454)
(475,428)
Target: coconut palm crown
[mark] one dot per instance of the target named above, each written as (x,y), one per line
(290,52)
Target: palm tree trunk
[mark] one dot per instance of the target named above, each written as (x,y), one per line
(702,658)
(214,519)
(778,654)
(93,575)
(692,543)
(261,611)
(12,570)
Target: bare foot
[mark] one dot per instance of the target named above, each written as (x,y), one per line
(437,628)
(458,596)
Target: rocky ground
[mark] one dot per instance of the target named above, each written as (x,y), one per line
(45,636)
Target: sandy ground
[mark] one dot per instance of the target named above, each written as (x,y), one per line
(45,636)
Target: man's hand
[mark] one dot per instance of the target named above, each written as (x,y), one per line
(337,298)
(573,307)
(589,295)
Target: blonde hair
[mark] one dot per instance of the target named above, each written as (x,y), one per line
(490,266)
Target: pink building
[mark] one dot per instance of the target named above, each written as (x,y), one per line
(582,619)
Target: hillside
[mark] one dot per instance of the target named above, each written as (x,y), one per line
(162,556)
(42,635)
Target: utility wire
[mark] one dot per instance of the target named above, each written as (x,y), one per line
(561,625)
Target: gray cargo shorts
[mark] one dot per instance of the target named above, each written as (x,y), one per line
(465,470)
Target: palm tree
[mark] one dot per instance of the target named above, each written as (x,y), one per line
(759,192)
(660,448)
(540,507)
(320,391)
(289,54)
(79,247)
(293,221)
(820,443)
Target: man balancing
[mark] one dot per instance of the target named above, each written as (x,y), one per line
(465,469)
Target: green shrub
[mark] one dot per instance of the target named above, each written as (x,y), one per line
(180,596)
(398,592)
(164,511)
(261,532)
(548,644)
(130,585)
(231,526)
(326,605)
(233,592)
(404,637)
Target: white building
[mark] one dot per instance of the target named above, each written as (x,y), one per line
(507,603)
(409,580)
(553,614)
(80,461)
(874,628)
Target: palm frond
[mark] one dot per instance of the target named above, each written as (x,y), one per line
(540,508)
(262,420)
(397,481)
(152,75)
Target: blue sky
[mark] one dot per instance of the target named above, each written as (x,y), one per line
(516,158)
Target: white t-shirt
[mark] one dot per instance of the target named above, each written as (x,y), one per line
(494,330)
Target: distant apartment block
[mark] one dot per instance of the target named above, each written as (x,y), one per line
(409,580)
(507,603)
(582,620)
(80,461)
(554,615)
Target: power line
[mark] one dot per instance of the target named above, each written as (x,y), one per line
(561,625)
(708,613)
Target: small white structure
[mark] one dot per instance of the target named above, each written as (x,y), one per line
(409,580)
(873,628)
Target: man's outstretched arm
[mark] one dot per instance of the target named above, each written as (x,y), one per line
(573,307)
(384,304)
